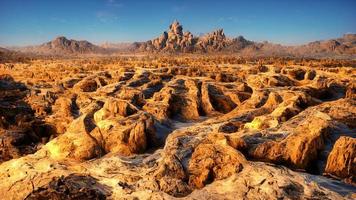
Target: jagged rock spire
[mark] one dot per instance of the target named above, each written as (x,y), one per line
(178,41)
(176,28)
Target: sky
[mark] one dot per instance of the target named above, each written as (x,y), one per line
(29,22)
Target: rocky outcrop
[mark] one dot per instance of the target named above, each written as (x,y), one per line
(215,41)
(127,136)
(173,40)
(300,149)
(177,41)
(212,162)
(76,143)
(90,84)
(342,159)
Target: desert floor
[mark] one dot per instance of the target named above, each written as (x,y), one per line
(176,127)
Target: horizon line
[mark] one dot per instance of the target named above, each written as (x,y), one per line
(196,35)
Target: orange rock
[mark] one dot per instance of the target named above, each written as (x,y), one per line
(211,162)
(299,149)
(342,159)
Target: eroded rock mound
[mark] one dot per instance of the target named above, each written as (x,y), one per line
(211,162)
(342,159)
(202,128)
(76,143)
(127,136)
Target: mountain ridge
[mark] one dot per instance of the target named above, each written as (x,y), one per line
(176,40)
(63,46)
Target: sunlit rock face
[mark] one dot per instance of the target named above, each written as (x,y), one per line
(175,40)
(342,159)
(176,127)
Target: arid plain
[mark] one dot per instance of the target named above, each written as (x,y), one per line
(201,123)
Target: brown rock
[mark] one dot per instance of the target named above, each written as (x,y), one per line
(298,149)
(126,136)
(342,159)
(76,143)
(214,41)
(171,177)
(115,107)
(71,187)
(211,162)
(219,101)
(351,91)
(90,84)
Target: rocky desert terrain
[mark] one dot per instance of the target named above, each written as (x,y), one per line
(177,127)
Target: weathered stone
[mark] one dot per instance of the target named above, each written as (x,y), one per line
(342,159)
(211,162)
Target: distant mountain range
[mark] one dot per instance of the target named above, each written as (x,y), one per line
(63,46)
(8,55)
(175,40)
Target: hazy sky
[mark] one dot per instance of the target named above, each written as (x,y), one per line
(25,22)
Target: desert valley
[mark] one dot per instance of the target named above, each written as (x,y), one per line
(178,117)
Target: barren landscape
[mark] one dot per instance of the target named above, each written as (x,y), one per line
(158,127)
(114,99)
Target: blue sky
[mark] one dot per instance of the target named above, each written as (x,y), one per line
(26,22)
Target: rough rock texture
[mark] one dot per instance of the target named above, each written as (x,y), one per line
(187,128)
(20,129)
(71,187)
(177,41)
(214,41)
(342,159)
(173,40)
(211,162)
(299,149)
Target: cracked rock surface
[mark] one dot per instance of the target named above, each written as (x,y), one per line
(128,129)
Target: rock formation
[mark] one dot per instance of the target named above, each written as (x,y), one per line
(342,159)
(173,40)
(177,41)
(176,127)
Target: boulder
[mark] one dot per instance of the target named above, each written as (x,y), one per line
(342,159)
(300,148)
(76,143)
(211,162)
(127,136)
